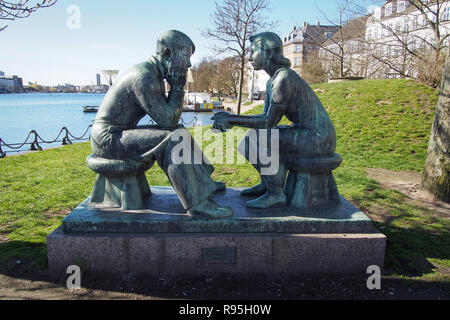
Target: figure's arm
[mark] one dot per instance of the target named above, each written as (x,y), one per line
(166,112)
(264,121)
(275,110)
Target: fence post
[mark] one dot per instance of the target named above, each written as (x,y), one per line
(2,154)
(35,145)
(66,139)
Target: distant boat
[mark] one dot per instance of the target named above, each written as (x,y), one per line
(92,109)
(201,107)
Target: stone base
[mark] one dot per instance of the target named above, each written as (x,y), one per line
(209,254)
(163,241)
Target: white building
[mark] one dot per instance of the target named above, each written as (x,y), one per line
(197,97)
(398,29)
(256,82)
(385,43)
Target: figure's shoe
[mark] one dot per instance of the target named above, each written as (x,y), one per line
(268,201)
(255,191)
(220,186)
(209,210)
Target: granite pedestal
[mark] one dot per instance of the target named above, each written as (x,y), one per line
(163,240)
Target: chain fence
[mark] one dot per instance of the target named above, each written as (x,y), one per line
(36,140)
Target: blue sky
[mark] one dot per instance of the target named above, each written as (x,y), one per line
(116,35)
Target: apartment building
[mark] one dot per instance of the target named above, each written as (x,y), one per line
(11,84)
(383,44)
(302,42)
(255,82)
(344,53)
(398,29)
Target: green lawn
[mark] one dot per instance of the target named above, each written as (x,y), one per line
(380,124)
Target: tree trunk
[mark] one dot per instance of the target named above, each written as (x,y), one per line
(241,84)
(436,175)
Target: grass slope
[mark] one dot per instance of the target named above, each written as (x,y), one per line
(380,123)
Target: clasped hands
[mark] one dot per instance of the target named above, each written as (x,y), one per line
(222,121)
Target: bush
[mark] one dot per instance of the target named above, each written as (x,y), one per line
(429,69)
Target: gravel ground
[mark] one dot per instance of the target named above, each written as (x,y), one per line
(20,284)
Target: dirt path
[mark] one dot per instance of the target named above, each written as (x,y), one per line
(408,183)
(236,287)
(244,108)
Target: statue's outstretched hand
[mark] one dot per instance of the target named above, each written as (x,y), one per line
(222,121)
(177,72)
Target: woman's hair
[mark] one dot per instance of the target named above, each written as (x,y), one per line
(271,41)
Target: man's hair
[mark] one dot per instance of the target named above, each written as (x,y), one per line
(271,41)
(174,40)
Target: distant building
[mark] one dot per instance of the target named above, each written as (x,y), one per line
(11,84)
(303,42)
(398,29)
(197,97)
(99,81)
(2,74)
(103,88)
(349,45)
(256,82)
(67,87)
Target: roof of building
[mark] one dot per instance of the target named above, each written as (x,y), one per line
(354,29)
(409,8)
(310,33)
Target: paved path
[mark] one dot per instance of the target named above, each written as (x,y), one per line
(244,108)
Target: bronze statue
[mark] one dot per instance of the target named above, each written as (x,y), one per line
(306,148)
(123,150)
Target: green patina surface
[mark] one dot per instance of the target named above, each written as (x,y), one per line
(164,214)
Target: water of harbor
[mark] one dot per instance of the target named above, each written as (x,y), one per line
(47,113)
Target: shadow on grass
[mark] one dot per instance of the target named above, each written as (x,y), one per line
(415,235)
(20,255)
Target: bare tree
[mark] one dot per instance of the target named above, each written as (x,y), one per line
(314,71)
(391,58)
(413,45)
(232,23)
(346,43)
(204,74)
(227,77)
(19,9)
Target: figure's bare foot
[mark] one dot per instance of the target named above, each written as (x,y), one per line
(268,201)
(258,190)
(209,210)
(220,186)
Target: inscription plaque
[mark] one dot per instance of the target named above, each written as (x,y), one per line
(218,255)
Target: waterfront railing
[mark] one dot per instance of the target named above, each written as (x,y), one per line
(65,137)
(34,140)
